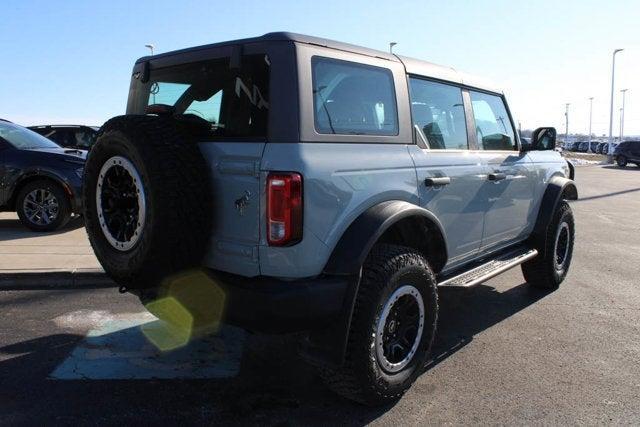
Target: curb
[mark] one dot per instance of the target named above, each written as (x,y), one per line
(54,279)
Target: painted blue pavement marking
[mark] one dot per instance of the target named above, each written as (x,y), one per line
(117,349)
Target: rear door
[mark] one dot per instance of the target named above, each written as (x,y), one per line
(224,92)
(509,182)
(450,176)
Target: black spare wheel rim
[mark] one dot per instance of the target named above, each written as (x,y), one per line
(41,207)
(399,329)
(120,202)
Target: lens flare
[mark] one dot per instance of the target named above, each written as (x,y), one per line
(190,305)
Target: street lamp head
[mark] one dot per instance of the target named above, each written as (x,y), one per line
(617,50)
(150,46)
(391,45)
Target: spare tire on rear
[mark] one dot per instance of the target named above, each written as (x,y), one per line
(147,199)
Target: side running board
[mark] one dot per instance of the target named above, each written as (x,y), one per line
(489,269)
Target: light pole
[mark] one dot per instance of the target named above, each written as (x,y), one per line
(566,123)
(391,45)
(624,93)
(590,120)
(613,76)
(621,114)
(153,95)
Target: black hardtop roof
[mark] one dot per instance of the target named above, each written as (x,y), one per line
(284,36)
(413,66)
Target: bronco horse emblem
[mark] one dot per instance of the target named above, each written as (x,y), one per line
(243,202)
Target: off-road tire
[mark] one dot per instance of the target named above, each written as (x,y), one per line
(177,191)
(362,378)
(64,205)
(541,271)
(621,161)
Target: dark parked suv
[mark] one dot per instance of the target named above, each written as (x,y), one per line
(39,180)
(627,152)
(69,136)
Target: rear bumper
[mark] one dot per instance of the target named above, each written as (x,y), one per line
(271,305)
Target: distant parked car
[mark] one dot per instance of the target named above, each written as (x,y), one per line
(41,181)
(582,146)
(605,148)
(573,146)
(627,152)
(599,147)
(69,136)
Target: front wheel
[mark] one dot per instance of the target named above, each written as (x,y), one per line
(551,266)
(392,327)
(42,205)
(622,161)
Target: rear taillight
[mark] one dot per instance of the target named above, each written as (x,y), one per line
(284,208)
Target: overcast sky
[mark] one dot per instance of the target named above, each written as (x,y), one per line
(70,61)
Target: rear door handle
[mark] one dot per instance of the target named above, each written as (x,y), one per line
(432,182)
(496,176)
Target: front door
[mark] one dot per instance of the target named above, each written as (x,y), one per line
(450,176)
(509,174)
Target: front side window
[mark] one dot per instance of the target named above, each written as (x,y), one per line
(353,99)
(234,100)
(493,126)
(438,111)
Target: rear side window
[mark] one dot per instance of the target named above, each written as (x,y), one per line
(353,99)
(438,111)
(493,126)
(234,100)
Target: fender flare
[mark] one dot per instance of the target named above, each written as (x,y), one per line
(327,346)
(558,188)
(33,174)
(356,242)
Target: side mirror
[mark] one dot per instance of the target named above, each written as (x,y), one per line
(543,139)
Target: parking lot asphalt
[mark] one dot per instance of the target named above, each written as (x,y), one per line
(504,354)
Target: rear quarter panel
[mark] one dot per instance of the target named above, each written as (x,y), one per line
(340,181)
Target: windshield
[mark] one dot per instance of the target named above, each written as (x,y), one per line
(23,138)
(234,100)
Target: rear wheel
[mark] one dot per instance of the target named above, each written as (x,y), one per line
(622,161)
(147,200)
(43,205)
(551,266)
(392,328)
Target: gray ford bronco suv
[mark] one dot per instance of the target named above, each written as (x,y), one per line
(327,189)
